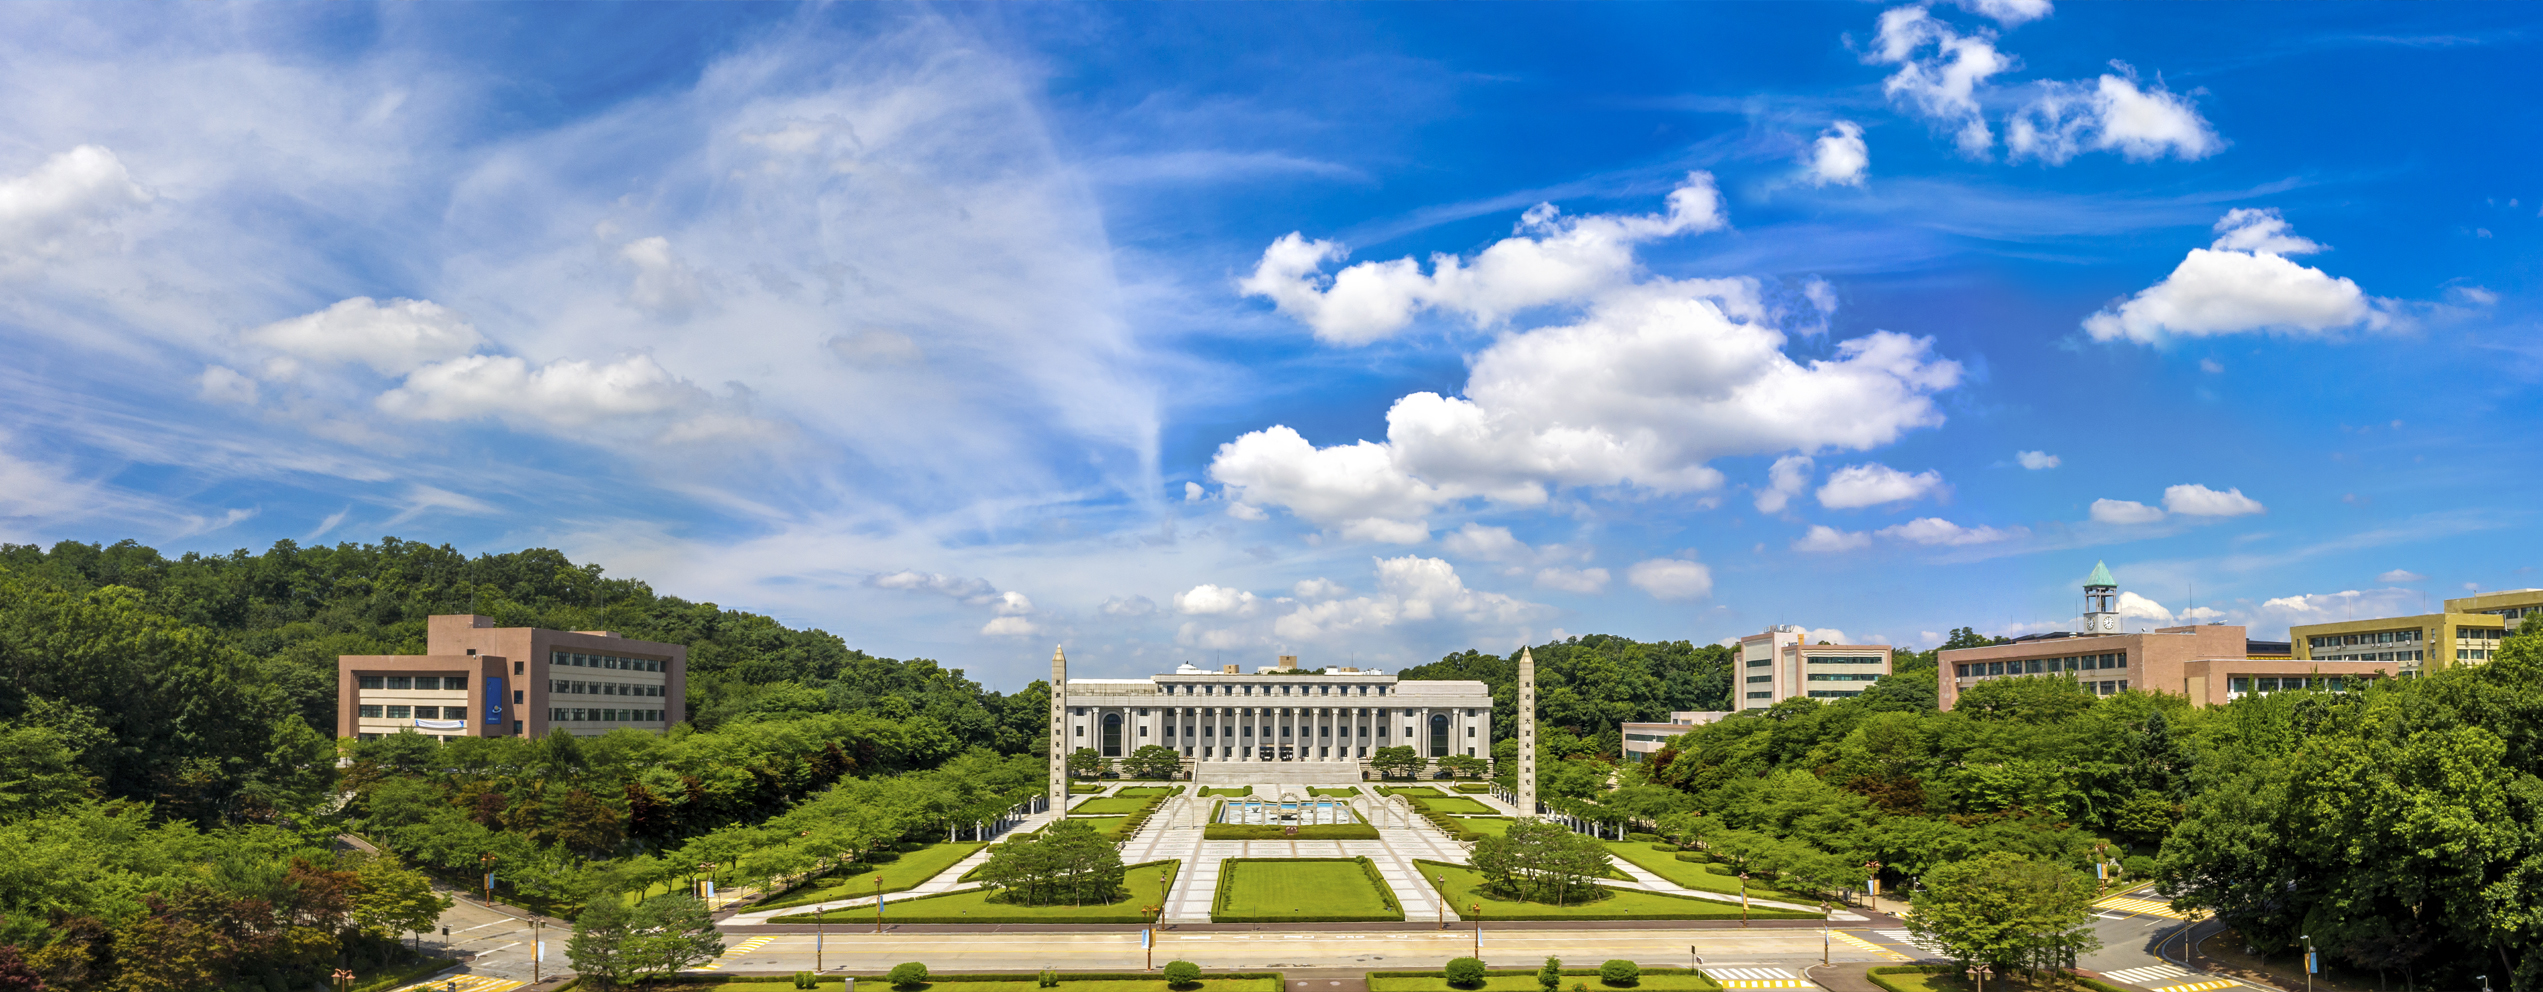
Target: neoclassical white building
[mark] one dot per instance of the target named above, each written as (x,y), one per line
(1269,727)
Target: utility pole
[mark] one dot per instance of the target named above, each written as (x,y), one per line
(2308,939)
(1743,898)
(878,902)
(538,949)
(1442,896)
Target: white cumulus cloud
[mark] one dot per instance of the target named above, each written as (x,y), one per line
(2401,575)
(1671,578)
(1411,589)
(71,194)
(1214,600)
(2122,511)
(1939,72)
(222,384)
(2068,119)
(2192,500)
(1839,156)
(569,393)
(2242,282)
(1938,531)
(2036,460)
(1010,626)
(1785,480)
(1873,484)
(2008,12)
(1549,259)
(393,338)
(1823,539)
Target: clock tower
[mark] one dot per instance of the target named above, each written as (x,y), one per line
(2101,601)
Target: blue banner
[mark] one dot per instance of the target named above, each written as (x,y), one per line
(494,700)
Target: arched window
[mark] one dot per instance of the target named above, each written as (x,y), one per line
(1439,735)
(1112,735)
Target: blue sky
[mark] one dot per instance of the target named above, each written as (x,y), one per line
(1366,333)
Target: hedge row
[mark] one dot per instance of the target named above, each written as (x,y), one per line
(1065,977)
(1128,915)
(1906,969)
(1438,973)
(1266,831)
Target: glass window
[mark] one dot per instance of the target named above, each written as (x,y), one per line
(399,713)
(1112,735)
(2239,684)
(369,681)
(401,682)
(2034,667)
(1995,668)
(1759,695)
(371,712)
(2269,685)
(428,712)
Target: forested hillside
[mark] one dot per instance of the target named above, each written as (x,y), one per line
(2397,826)
(170,790)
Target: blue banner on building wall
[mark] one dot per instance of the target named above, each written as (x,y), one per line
(494,700)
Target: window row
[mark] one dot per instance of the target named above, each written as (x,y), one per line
(2412,636)
(576,715)
(1266,711)
(2240,684)
(1833,694)
(2039,666)
(2374,656)
(571,687)
(2480,633)
(1825,659)
(414,712)
(1248,690)
(609,661)
(426,682)
(1844,677)
(1244,753)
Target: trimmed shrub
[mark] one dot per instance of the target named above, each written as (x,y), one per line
(1695,857)
(2137,866)
(1619,973)
(1182,974)
(1643,837)
(1550,977)
(1465,973)
(908,975)
(1720,869)
(1048,979)
(805,980)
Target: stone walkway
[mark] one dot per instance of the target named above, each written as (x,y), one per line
(949,880)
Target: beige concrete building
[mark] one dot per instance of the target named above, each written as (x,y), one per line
(1642,740)
(475,679)
(2206,664)
(1777,665)
(2511,605)
(1234,729)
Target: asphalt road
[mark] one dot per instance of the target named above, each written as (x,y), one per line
(500,941)
(1341,950)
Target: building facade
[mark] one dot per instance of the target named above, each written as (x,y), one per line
(1642,740)
(475,679)
(1777,665)
(1308,728)
(2206,664)
(2512,605)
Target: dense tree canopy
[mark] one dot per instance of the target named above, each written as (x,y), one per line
(1588,685)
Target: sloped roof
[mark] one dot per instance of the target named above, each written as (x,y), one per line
(2101,576)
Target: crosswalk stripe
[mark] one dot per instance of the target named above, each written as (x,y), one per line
(466,983)
(2147,974)
(734,952)
(2200,986)
(1756,973)
(1766,983)
(1858,942)
(1908,939)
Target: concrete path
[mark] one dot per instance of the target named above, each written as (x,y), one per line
(949,880)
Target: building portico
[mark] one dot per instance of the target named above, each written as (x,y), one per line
(1304,728)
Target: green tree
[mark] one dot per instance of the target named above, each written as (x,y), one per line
(598,950)
(1619,973)
(908,975)
(1086,763)
(392,899)
(2005,911)
(1153,761)
(1182,974)
(1463,765)
(1464,973)
(1550,977)
(39,770)
(667,934)
(1396,762)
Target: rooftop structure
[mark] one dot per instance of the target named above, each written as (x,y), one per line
(1302,727)
(1642,740)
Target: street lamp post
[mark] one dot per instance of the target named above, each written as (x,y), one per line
(1442,902)
(2308,939)
(1743,898)
(485,864)
(878,902)
(538,948)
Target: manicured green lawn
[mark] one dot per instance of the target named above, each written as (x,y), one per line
(1411,791)
(1112,804)
(1068,984)
(1453,805)
(1465,891)
(898,875)
(1148,883)
(1525,981)
(1687,873)
(1231,791)
(1316,791)
(1328,891)
(1150,790)
(1493,825)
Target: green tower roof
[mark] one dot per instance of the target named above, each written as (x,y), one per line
(2101,577)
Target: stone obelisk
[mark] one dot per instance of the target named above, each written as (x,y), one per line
(1059,733)
(1527,733)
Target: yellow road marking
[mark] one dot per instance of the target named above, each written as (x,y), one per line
(2199,986)
(466,983)
(2145,907)
(736,951)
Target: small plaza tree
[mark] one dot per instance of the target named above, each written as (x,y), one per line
(1069,862)
(1085,763)
(1464,765)
(1539,861)
(1153,761)
(2005,910)
(1396,762)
